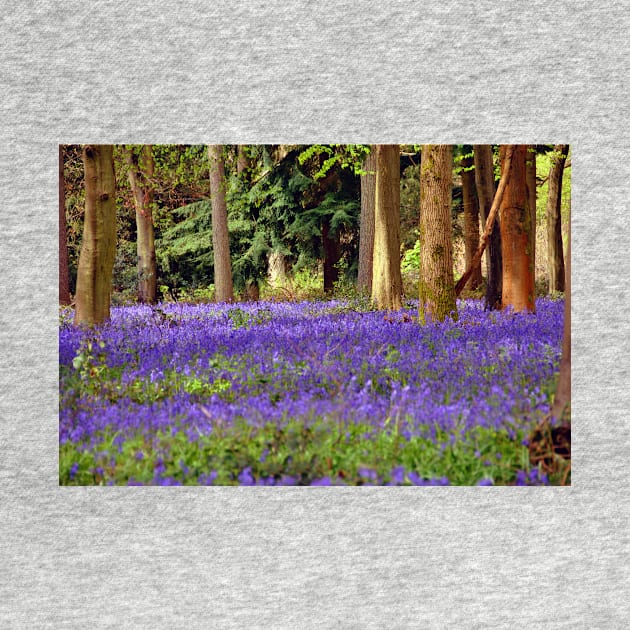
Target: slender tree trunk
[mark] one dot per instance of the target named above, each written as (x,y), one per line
(491,221)
(555,259)
(562,399)
(530,180)
(484,178)
(471,217)
(98,248)
(366,226)
(518,266)
(242,160)
(141,168)
(330,241)
(220,238)
(64,269)
(437,286)
(386,276)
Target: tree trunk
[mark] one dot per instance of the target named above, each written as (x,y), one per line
(491,220)
(64,269)
(562,400)
(484,179)
(98,248)
(530,180)
(437,286)
(518,265)
(555,259)
(223,287)
(332,253)
(366,226)
(140,176)
(277,268)
(242,161)
(471,217)
(386,276)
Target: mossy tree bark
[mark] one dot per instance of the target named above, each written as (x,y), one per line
(471,216)
(98,247)
(141,169)
(386,275)
(484,179)
(366,224)
(64,269)
(518,264)
(437,285)
(224,290)
(555,258)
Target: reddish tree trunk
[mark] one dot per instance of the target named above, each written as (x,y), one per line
(518,265)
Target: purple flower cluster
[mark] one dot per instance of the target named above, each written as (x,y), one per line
(198,369)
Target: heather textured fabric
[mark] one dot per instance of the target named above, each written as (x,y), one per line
(314,557)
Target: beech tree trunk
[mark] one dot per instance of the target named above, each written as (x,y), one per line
(277,268)
(386,276)
(141,168)
(223,286)
(530,180)
(64,268)
(437,286)
(562,399)
(98,248)
(518,264)
(471,217)
(366,225)
(555,259)
(484,179)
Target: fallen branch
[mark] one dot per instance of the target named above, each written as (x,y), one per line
(496,202)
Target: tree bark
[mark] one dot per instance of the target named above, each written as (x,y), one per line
(484,179)
(242,161)
(331,245)
(386,276)
(366,225)
(223,286)
(140,176)
(562,400)
(555,259)
(277,268)
(530,180)
(437,287)
(64,268)
(518,265)
(98,248)
(471,217)
(491,222)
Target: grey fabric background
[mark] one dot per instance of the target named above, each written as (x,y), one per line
(243,72)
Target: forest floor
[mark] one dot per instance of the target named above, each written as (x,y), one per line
(309,393)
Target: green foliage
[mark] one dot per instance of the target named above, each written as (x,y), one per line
(350,454)
(347,156)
